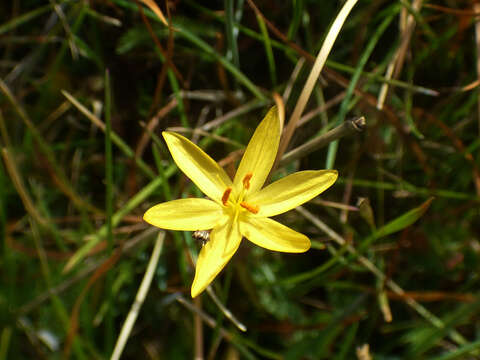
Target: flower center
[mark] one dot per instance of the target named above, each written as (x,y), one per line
(237,203)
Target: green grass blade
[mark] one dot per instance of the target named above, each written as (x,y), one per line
(332,148)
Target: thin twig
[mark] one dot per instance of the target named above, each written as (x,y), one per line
(228,314)
(206,318)
(198,331)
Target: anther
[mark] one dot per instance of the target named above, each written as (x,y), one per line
(225,196)
(246,181)
(252,208)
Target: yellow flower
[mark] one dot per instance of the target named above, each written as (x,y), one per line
(240,208)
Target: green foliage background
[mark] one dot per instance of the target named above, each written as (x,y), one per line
(65,199)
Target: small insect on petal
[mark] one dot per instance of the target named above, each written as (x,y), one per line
(201,235)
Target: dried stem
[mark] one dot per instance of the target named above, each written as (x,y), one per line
(348,127)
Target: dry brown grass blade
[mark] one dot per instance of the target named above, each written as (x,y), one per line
(459,12)
(430,296)
(396,64)
(152,124)
(154,7)
(281,109)
(164,53)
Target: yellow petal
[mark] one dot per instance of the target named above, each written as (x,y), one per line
(260,153)
(198,166)
(185,214)
(291,191)
(224,241)
(272,235)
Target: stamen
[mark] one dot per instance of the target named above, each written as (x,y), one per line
(252,208)
(225,196)
(246,181)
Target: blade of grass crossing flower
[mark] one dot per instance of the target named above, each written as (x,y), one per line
(314,74)
(332,149)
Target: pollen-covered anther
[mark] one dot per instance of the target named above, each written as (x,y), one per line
(226,195)
(246,181)
(252,208)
